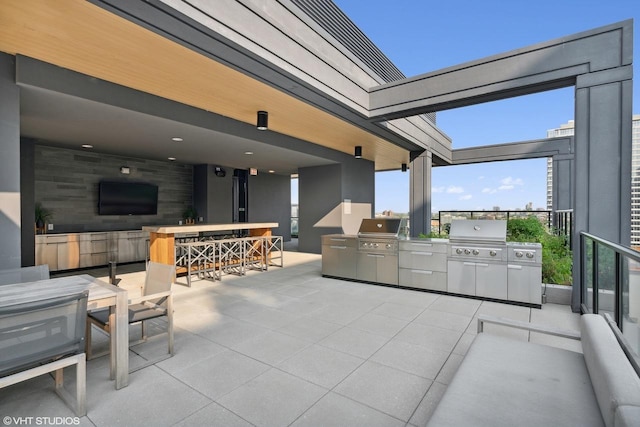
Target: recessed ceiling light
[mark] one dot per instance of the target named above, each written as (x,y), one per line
(87,146)
(171,158)
(248,152)
(271,171)
(177,139)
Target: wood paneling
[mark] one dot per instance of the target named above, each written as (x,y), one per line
(80,36)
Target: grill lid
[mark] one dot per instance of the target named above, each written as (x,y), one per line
(478,231)
(379,227)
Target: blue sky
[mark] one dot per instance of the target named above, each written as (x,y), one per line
(420,36)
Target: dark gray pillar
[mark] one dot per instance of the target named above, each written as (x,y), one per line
(420,194)
(333,199)
(27,201)
(602,164)
(270,201)
(563,182)
(212,194)
(10,221)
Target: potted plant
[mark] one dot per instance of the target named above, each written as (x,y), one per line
(42,216)
(189,215)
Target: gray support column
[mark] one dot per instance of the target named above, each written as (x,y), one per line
(420,194)
(333,199)
(27,200)
(602,165)
(10,221)
(563,166)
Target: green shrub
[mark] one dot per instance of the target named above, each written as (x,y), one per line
(556,256)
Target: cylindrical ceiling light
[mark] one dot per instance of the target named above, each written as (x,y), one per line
(358,152)
(404,167)
(263,120)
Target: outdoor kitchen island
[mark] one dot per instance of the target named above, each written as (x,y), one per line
(476,261)
(162,237)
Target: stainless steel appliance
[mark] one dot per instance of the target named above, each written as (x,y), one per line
(524,265)
(477,261)
(377,259)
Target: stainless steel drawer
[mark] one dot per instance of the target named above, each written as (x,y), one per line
(423,279)
(426,246)
(419,260)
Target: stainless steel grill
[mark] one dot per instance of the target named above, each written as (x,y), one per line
(379,235)
(378,250)
(479,239)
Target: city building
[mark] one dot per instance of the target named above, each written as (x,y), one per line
(567,129)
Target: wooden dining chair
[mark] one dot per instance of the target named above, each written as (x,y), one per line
(156,301)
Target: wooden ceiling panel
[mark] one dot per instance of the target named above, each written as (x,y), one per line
(82,37)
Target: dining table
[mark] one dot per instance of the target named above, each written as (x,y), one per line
(101,295)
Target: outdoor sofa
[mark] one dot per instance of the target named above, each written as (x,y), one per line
(504,382)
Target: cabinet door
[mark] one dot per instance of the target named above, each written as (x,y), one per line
(423,279)
(339,261)
(68,255)
(461,277)
(491,280)
(524,283)
(47,253)
(367,268)
(387,269)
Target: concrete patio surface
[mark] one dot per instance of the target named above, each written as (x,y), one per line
(284,347)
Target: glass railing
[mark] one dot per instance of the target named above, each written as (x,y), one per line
(611,284)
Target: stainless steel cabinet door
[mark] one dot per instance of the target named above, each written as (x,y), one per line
(491,280)
(461,277)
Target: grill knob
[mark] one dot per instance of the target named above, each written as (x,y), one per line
(375,245)
(467,251)
(493,253)
(476,252)
(529,255)
(459,251)
(389,245)
(519,254)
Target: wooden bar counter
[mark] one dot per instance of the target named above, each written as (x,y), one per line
(162,237)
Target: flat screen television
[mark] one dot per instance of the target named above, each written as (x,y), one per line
(127,198)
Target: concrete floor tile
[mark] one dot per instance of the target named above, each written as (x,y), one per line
(271,348)
(152,397)
(275,398)
(428,404)
(214,415)
(272,318)
(321,365)
(456,305)
(379,325)
(464,343)
(444,319)
(412,358)
(221,374)
(310,329)
(230,332)
(414,298)
(398,311)
(355,342)
(386,389)
(449,369)
(336,410)
(430,336)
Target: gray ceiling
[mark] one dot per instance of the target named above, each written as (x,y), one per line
(68,121)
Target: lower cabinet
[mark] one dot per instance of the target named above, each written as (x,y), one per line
(81,250)
(377,268)
(477,278)
(524,283)
(339,256)
(423,265)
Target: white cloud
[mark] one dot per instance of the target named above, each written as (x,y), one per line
(466,197)
(506,187)
(509,181)
(452,189)
(437,189)
(481,177)
(488,190)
